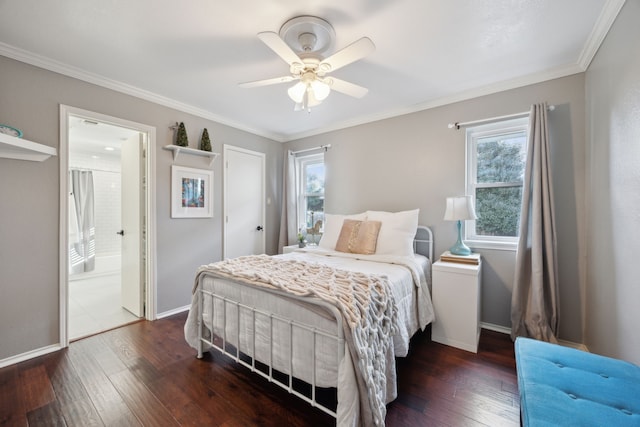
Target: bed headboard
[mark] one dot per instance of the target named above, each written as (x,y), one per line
(423,242)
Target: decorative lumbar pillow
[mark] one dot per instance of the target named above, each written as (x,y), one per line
(358,237)
(332,227)
(397,231)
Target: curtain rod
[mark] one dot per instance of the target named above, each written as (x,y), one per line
(322,147)
(91,170)
(458,125)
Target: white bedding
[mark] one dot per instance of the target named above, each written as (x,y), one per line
(408,277)
(413,300)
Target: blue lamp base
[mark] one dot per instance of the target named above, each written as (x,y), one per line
(460,248)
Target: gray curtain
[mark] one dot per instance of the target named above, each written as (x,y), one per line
(534,303)
(82,247)
(288,217)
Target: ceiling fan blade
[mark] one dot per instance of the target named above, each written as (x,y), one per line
(282,49)
(355,51)
(345,87)
(266,82)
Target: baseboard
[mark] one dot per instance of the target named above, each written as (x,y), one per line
(29,355)
(575,345)
(172,312)
(505,330)
(495,328)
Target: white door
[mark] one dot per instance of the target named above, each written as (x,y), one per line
(243,202)
(133,197)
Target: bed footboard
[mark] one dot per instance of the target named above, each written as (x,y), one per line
(253,357)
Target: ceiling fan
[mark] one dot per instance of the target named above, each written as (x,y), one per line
(300,43)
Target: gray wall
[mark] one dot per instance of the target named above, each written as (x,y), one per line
(415,161)
(400,163)
(613,112)
(29,214)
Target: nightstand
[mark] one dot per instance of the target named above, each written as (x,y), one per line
(456,301)
(290,248)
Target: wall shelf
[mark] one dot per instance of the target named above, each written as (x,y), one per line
(177,150)
(23,149)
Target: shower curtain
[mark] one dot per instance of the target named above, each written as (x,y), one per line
(82,245)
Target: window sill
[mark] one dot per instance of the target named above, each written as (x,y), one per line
(487,244)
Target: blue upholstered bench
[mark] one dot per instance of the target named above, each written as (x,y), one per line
(561,386)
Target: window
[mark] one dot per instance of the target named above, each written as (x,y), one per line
(310,192)
(496,155)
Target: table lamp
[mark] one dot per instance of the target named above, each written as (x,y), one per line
(459,208)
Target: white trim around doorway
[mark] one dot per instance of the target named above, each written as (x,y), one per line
(150,250)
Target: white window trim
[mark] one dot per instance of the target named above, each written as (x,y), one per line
(472,135)
(301,162)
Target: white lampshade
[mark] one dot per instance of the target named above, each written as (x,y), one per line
(296,92)
(459,208)
(320,90)
(312,101)
(308,92)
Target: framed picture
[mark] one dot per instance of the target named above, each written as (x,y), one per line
(191,192)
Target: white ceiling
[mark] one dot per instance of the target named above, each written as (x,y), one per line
(96,138)
(192,54)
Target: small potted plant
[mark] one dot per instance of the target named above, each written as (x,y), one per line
(181,137)
(300,240)
(205,141)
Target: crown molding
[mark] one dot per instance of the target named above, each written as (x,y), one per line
(98,80)
(567,70)
(599,32)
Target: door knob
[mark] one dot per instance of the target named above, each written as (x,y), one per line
(259,228)
(121,232)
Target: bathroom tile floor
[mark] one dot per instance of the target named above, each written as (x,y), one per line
(94,306)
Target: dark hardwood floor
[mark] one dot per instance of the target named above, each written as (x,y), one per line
(145,374)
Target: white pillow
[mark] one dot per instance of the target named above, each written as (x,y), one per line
(332,227)
(397,231)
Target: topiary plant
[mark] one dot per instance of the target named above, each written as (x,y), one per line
(205,142)
(181,137)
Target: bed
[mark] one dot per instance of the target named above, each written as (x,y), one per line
(289,319)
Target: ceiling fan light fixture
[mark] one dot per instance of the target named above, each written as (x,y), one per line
(297,91)
(300,43)
(308,92)
(320,90)
(312,100)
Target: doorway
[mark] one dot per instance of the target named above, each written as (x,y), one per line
(107,256)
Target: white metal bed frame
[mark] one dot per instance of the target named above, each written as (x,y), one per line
(422,244)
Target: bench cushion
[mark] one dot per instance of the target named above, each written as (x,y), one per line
(562,386)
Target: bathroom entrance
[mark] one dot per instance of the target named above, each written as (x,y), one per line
(106,232)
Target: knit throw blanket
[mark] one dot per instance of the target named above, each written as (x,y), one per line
(366,304)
